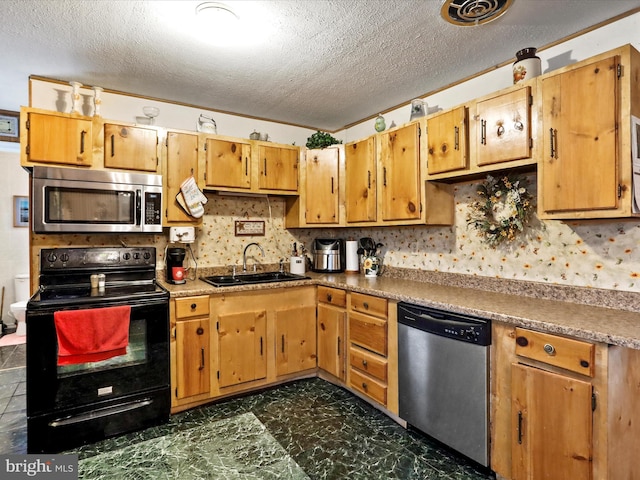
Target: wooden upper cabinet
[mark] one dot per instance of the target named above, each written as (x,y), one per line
(130,148)
(400,172)
(504,127)
(321,186)
(580,144)
(447,135)
(228,163)
(59,139)
(182,162)
(360,179)
(278,168)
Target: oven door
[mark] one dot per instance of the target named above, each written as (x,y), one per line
(145,366)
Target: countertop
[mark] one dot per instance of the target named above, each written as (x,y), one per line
(598,324)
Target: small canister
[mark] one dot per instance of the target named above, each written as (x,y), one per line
(526,66)
(297,265)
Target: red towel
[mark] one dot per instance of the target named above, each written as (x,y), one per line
(91,335)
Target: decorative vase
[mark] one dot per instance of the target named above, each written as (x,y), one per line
(380,125)
(417,109)
(76,105)
(371,266)
(97,100)
(526,66)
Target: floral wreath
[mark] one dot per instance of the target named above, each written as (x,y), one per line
(504,210)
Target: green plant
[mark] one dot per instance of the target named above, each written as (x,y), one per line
(321,140)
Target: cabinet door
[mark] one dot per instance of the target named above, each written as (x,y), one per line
(295,339)
(192,357)
(400,161)
(331,350)
(182,162)
(130,148)
(228,163)
(579,109)
(552,425)
(57,139)
(278,168)
(505,127)
(360,174)
(242,347)
(447,136)
(322,186)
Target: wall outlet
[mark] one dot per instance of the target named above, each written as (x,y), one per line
(182,234)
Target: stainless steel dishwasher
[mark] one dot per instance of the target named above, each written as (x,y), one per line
(443,375)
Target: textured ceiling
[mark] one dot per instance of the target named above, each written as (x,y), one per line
(321,64)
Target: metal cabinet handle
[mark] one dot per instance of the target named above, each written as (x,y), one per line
(553,138)
(364,385)
(113,145)
(483,132)
(83,133)
(201,359)
(456,131)
(282,343)
(338,346)
(193,306)
(332,185)
(246,166)
(518,126)
(265,167)
(364,363)
(520,427)
(260,346)
(369,179)
(549,349)
(384,176)
(329,297)
(365,305)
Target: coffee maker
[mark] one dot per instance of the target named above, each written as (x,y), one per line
(175,268)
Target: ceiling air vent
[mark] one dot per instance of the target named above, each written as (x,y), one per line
(473,12)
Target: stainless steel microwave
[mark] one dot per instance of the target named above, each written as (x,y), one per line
(70,200)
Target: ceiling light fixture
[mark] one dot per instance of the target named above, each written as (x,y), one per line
(473,12)
(216,11)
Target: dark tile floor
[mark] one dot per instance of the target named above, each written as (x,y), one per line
(13,399)
(329,433)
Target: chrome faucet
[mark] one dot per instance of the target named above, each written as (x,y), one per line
(244,255)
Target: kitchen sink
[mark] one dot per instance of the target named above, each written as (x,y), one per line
(251,278)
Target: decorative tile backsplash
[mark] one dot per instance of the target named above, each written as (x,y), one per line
(590,254)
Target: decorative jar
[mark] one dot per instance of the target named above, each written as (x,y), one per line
(526,66)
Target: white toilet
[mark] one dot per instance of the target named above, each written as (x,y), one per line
(19,308)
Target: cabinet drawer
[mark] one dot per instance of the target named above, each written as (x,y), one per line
(368,332)
(332,296)
(574,355)
(369,386)
(192,306)
(375,306)
(368,362)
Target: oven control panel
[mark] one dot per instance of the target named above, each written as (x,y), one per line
(69,258)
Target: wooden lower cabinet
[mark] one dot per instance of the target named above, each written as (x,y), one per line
(190,346)
(331,324)
(552,417)
(562,408)
(295,339)
(241,347)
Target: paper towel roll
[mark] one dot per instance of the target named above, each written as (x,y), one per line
(353,260)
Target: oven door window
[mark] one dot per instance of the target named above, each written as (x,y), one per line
(136,354)
(86,205)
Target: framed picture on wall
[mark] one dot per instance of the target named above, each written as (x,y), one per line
(20,211)
(9,126)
